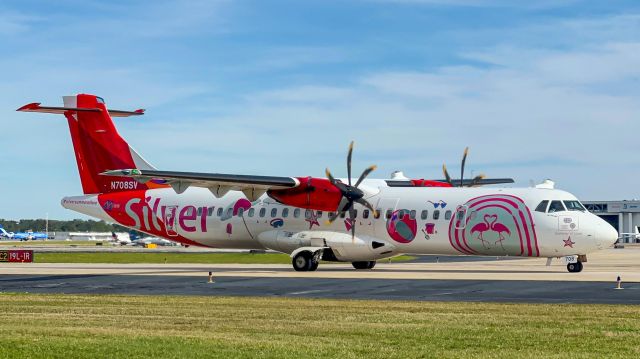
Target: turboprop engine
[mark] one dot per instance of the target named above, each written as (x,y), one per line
(332,246)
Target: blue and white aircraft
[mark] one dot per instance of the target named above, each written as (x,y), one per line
(22,236)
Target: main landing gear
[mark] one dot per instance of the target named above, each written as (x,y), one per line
(574,267)
(305,262)
(364,265)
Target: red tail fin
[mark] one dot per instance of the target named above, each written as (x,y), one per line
(97,144)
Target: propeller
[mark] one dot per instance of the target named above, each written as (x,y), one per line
(350,194)
(474,182)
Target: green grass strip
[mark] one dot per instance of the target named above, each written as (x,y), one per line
(83,326)
(170,258)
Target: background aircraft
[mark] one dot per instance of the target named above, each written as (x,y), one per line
(22,236)
(315,218)
(141,241)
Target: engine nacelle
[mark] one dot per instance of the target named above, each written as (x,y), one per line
(337,246)
(312,193)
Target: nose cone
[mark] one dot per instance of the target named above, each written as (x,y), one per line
(605,234)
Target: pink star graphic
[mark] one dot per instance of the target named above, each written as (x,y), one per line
(313,219)
(568,242)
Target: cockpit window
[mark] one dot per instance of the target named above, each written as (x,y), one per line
(556,206)
(542,207)
(574,206)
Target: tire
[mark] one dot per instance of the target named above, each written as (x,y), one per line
(302,262)
(314,266)
(363,265)
(574,267)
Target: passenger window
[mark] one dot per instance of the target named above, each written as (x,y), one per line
(220,212)
(296,213)
(365,214)
(343,214)
(412,214)
(556,206)
(263,211)
(274,212)
(229,212)
(199,211)
(210,211)
(319,214)
(388,214)
(447,215)
(285,212)
(377,213)
(436,214)
(307,214)
(542,207)
(424,214)
(251,212)
(574,206)
(240,212)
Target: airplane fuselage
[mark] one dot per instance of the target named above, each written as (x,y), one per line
(465,221)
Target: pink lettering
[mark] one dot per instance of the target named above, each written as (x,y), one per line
(187,213)
(203,219)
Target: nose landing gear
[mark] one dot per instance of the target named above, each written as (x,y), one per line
(574,267)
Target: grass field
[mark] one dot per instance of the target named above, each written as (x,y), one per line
(170,258)
(75,326)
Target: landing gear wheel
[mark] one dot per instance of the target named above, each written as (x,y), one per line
(314,266)
(363,265)
(302,262)
(574,267)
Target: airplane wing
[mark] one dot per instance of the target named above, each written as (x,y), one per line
(218,183)
(439,182)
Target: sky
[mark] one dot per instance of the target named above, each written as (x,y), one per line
(544,89)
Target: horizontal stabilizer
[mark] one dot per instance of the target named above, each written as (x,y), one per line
(35,107)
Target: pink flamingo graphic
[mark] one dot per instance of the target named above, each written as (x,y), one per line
(483,227)
(500,228)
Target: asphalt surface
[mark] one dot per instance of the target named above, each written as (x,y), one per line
(386,289)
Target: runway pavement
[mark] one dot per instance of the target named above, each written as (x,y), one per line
(524,280)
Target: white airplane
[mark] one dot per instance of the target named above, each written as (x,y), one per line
(315,219)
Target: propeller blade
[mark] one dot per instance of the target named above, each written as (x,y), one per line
(446,174)
(329,176)
(332,217)
(342,207)
(368,205)
(365,173)
(349,162)
(352,218)
(464,160)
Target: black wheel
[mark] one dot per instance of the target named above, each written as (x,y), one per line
(363,265)
(574,267)
(314,266)
(302,262)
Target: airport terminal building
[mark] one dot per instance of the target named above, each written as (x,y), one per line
(623,215)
